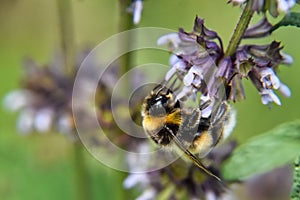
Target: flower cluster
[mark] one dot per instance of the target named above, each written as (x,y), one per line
(261,63)
(180,180)
(273,6)
(44,101)
(199,61)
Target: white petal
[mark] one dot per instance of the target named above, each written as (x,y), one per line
(287,59)
(282,6)
(206,112)
(237,2)
(133,179)
(205,98)
(25,121)
(266,72)
(196,70)
(137,12)
(185,92)
(170,73)
(209,195)
(65,124)
(17,99)
(269,96)
(275,98)
(285,90)
(291,3)
(285,5)
(180,66)
(173,59)
(148,194)
(197,81)
(188,78)
(43,120)
(169,38)
(265,99)
(275,81)
(139,162)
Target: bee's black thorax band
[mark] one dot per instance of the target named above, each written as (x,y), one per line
(163,136)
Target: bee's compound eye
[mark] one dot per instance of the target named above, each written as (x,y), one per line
(157,109)
(161,100)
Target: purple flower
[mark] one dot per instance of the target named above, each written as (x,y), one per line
(180,179)
(198,61)
(45,97)
(273,6)
(136,9)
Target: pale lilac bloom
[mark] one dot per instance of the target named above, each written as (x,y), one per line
(136,9)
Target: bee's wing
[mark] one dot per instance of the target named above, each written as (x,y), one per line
(223,121)
(191,156)
(219,112)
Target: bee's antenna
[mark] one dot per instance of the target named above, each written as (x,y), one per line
(163,83)
(159,87)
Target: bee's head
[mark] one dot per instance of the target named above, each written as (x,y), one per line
(160,102)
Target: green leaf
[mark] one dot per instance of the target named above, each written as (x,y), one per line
(295,195)
(291,19)
(264,152)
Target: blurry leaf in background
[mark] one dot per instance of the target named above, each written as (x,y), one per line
(264,152)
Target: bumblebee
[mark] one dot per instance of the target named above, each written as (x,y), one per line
(167,124)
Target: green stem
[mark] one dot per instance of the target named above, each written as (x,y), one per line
(125,43)
(67,34)
(125,23)
(240,29)
(81,176)
(67,45)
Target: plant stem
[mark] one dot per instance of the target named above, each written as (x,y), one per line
(67,34)
(67,45)
(240,29)
(125,23)
(81,176)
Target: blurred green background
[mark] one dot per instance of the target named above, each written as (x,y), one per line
(42,166)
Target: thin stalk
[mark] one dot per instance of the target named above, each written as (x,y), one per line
(67,34)
(81,175)
(240,29)
(125,23)
(68,48)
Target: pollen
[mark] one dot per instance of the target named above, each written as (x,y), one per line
(202,144)
(153,123)
(174,118)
